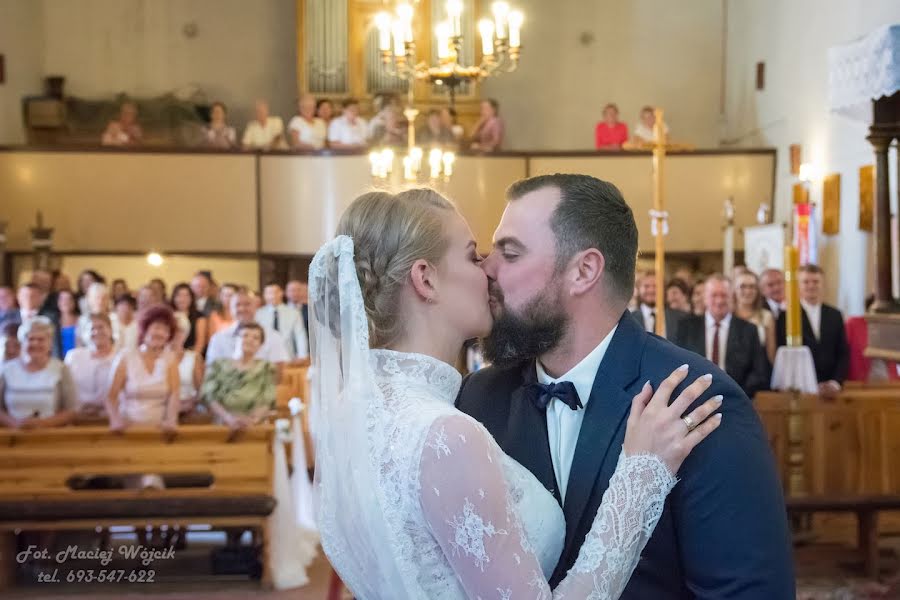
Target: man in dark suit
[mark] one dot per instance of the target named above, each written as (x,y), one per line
(731,343)
(646,310)
(823,331)
(202,286)
(771,286)
(560,275)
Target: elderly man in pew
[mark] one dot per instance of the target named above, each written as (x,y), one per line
(725,339)
(36,390)
(823,331)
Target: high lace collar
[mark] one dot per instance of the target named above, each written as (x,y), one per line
(418,369)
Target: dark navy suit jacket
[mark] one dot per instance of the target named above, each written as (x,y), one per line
(723,532)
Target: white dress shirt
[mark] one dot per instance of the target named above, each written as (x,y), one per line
(223,345)
(341,130)
(814,314)
(310,134)
(723,337)
(776,307)
(563,423)
(290,326)
(649,318)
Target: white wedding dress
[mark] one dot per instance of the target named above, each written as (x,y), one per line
(416,500)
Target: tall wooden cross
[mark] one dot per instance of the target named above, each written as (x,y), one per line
(659,219)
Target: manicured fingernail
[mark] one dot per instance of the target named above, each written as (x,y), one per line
(707,377)
(646,385)
(717,399)
(683,367)
(719,417)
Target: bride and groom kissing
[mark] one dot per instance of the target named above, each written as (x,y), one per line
(590,460)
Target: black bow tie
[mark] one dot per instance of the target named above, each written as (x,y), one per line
(564,391)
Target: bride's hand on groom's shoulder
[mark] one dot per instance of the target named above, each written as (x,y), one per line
(657,427)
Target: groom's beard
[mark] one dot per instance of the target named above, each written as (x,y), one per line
(536,330)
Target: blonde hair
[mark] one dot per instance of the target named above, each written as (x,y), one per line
(390,232)
(39,325)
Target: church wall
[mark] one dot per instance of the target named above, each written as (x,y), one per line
(21,40)
(793,38)
(241,50)
(640,52)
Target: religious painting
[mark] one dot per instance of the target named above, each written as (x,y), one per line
(831,204)
(795,158)
(764,247)
(800,193)
(866,197)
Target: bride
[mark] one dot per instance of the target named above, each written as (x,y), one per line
(416,499)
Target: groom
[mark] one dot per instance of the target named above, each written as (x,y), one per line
(561,274)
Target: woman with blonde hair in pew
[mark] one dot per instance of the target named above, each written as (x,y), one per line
(36,390)
(91,368)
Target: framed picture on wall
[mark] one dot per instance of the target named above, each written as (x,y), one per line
(866,197)
(831,204)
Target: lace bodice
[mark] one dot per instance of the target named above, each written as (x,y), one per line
(464,520)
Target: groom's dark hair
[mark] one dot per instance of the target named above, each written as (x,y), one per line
(591,214)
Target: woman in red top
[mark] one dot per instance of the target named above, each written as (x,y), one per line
(610,133)
(858,338)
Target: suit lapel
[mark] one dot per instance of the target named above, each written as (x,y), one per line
(697,333)
(732,347)
(526,435)
(604,416)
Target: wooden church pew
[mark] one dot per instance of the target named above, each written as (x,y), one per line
(838,455)
(40,467)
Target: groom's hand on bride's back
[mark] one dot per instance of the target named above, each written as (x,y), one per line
(660,427)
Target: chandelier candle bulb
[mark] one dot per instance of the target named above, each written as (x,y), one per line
(416,155)
(387,161)
(501,14)
(516,18)
(383,23)
(486,28)
(449,157)
(405,15)
(434,161)
(408,169)
(442,31)
(454,12)
(375,162)
(399,44)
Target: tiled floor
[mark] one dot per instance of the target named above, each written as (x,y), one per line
(827,569)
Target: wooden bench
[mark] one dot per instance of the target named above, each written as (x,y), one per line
(39,468)
(840,455)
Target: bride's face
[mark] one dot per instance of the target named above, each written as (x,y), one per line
(463,286)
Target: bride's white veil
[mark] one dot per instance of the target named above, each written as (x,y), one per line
(345,404)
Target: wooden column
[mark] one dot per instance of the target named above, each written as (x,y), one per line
(882,227)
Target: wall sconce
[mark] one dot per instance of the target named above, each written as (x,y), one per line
(154,259)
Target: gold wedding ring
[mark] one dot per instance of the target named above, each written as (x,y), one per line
(689,422)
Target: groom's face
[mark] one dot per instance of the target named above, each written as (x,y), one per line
(527,299)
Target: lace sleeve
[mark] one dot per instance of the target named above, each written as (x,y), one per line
(466,502)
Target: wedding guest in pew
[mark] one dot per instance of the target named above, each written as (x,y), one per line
(697,302)
(9,312)
(686,275)
(771,286)
(823,331)
(861,367)
(348,131)
(125,307)
(297,293)
(10,348)
(85,279)
(221,317)
(97,302)
(488,133)
(159,288)
(731,343)
(306,131)
(30,300)
(646,311)
(450,122)
(287,321)
(749,306)
(124,131)
(184,302)
(91,368)
(190,366)
(678,296)
(434,133)
(66,324)
(61,282)
(264,132)
(644,131)
(204,292)
(36,390)
(610,133)
(146,378)
(147,296)
(117,288)
(240,391)
(219,134)
(224,343)
(325,110)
